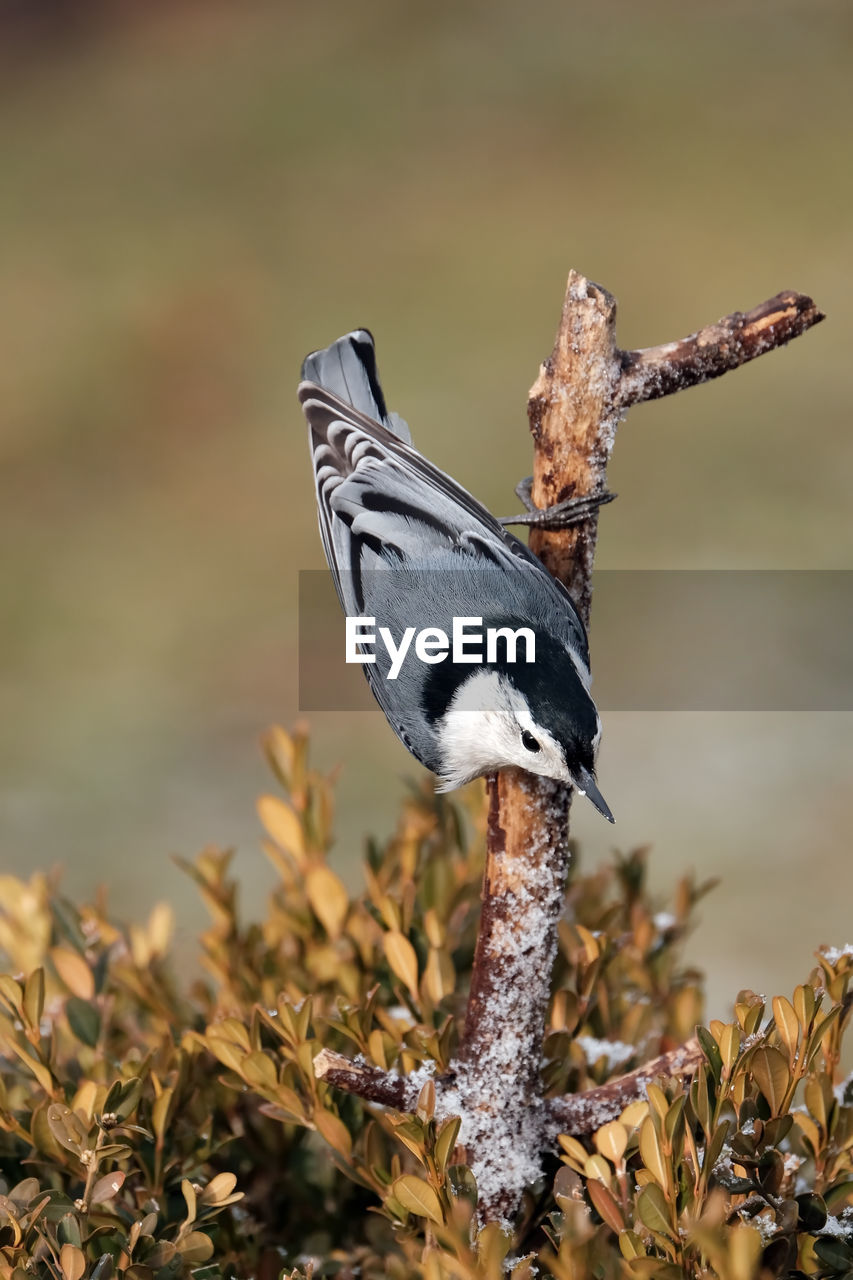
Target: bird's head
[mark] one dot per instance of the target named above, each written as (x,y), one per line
(539,718)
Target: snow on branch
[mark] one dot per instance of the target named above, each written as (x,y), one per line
(659,371)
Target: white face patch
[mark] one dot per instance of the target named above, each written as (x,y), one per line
(485,728)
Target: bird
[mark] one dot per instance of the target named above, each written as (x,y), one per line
(412,552)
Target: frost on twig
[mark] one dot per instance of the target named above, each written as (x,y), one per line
(365,1080)
(583,1113)
(732,341)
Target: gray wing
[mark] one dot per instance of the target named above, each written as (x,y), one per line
(382,504)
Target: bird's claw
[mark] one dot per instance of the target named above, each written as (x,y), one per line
(562,515)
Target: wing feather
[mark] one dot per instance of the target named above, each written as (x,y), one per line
(380,502)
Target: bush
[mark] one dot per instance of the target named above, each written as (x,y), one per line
(154,1128)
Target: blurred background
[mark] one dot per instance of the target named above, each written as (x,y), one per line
(194,195)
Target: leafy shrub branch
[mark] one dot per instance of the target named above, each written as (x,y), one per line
(154,1128)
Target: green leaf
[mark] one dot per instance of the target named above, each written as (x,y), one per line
(653,1209)
(812,1212)
(711,1050)
(123,1098)
(835,1253)
(787,1025)
(84,1020)
(104,1268)
(68,1230)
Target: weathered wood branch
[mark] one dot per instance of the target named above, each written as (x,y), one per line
(365,1081)
(583,390)
(582,1113)
(576,1113)
(659,371)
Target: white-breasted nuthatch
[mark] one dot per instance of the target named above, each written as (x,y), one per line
(407,544)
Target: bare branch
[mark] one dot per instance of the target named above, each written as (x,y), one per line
(365,1081)
(583,390)
(653,372)
(582,1113)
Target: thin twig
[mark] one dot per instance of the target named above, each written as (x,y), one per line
(364,1080)
(653,372)
(583,1113)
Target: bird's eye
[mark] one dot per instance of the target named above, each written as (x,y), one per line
(528,741)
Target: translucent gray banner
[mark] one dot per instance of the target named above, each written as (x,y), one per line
(661,640)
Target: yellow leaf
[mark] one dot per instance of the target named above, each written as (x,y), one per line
(401,956)
(425,1109)
(259,1070)
(12,992)
(376,1046)
(652,1156)
(74,972)
(787,1024)
(729,1042)
(745,1246)
(85,1099)
(219,1188)
(597,1167)
(189,1195)
(72,1261)
(281,753)
(611,1140)
(334,1131)
(196,1247)
(576,1152)
(41,1072)
(434,929)
(160,1112)
(283,826)
(161,926)
(329,899)
(34,998)
(418,1197)
(439,974)
(658,1099)
(589,942)
(634,1114)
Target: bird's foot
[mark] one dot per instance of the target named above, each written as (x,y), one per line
(562,515)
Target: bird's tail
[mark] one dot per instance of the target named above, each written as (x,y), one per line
(348,369)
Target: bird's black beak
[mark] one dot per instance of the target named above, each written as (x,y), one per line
(586,785)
